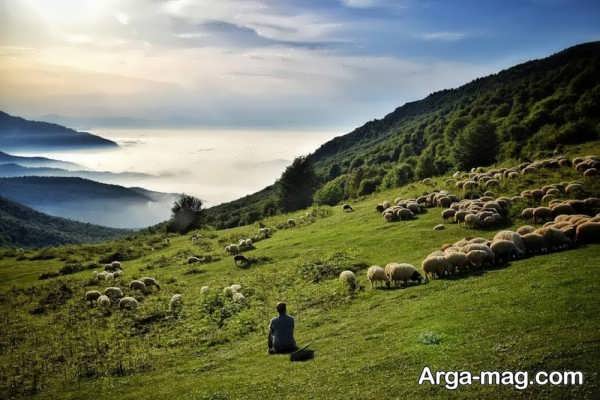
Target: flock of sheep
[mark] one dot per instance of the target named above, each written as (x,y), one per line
(113,295)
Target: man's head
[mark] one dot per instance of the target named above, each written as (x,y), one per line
(281,308)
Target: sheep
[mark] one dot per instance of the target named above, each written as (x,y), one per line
(542,214)
(349,279)
(563,208)
(176,303)
(555,238)
(534,243)
(456,260)
(114,293)
(395,273)
(291,222)
(92,295)
(241,261)
(150,282)
(434,266)
(194,259)
(376,274)
(129,303)
(379,208)
(588,232)
(505,249)
(477,258)
(117,273)
(513,237)
(227,291)
(472,220)
(204,289)
(236,287)
(347,208)
(573,189)
(590,172)
(448,213)
(104,301)
(238,297)
(525,229)
(137,285)
(439,227)
(109,276)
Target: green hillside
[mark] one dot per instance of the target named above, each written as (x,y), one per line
(537,313)
(22,226)
(520,113)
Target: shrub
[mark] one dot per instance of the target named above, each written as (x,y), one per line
(332,192)
(476,145)
(398,175)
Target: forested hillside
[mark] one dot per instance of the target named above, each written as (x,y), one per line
(23,226)
(523,112)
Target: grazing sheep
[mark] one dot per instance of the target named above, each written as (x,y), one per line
(128,303)
(150,282)
(238,297)
(456,261)
(176,303)
(590,172)
(114,293)
(137,285)
(104,301)
(525,229)
(401,273)
(472,220)
(236,287)
(204,289)
(434,266)
(92,295)
(448,213)
(439,227)
(227,291)
(349,279)
(542,214)
(563,208)
(109,276)
(505,250)
(193,259)
(117,273)
(555,238)
(241,261)
(376,274)
(477,258)
(347,208)
(574,188)
(116,265)
(379,208)
(588,232)
(291,222)
(513,237)
(534,243)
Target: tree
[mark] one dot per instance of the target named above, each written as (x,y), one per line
(397,176)
(187,214)
(477,145)
(332,192)
(297,185)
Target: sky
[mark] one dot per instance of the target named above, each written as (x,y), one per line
(280,64)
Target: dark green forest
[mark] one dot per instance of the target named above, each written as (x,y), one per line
(521,113)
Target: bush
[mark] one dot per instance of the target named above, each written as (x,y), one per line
(330,267)
(332,192)
(367,186)
(187,214)
(477,145)
(398,175)
(297,185)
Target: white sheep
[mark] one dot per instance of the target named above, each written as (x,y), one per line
(204,289)
(349,279)
(434,266)
(376,274)
(150,282)
(114,293)
(137,285)
(104,301)
(92,295)
(129,303)
(396,272)
(238,297)
(236,287)
(176,303)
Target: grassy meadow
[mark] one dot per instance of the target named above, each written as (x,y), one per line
(538,313)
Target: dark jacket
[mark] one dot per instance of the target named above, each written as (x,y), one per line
(281,334)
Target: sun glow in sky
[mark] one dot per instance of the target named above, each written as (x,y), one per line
(262,63)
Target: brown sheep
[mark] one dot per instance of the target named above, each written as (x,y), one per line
(588,232)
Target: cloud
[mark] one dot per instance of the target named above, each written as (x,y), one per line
(122,18)
(359,3)
(443,36)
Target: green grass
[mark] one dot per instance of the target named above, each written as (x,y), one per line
(539,313)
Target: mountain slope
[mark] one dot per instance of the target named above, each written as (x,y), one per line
(529,110)
(19,133)
(89,201)
(24,227)
(10,170)
(36,162)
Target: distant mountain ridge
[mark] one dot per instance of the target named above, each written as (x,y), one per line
(89,201)
(11,170)
(24,227)
(38,162)
(20,133)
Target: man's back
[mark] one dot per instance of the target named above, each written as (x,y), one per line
(281,330)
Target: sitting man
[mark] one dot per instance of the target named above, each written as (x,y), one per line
(281,332)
